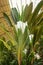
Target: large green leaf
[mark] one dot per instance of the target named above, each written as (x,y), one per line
(15,15)
(27,11)
(36,11)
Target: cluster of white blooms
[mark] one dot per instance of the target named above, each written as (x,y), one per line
(21,25)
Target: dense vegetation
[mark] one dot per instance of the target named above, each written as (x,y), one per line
(23,48)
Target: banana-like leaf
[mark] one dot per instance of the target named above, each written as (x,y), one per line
(27,11)
(7,19)
(36,11)
(35,17)
(15,15)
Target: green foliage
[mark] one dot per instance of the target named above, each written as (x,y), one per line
(19,41)
(5,55)
(15,15)
(27,12)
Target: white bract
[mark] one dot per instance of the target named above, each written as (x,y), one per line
(21,25)
(37,56)
(31,37)
(25,51)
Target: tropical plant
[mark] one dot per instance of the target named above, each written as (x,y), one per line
(5,55)
(25,45)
